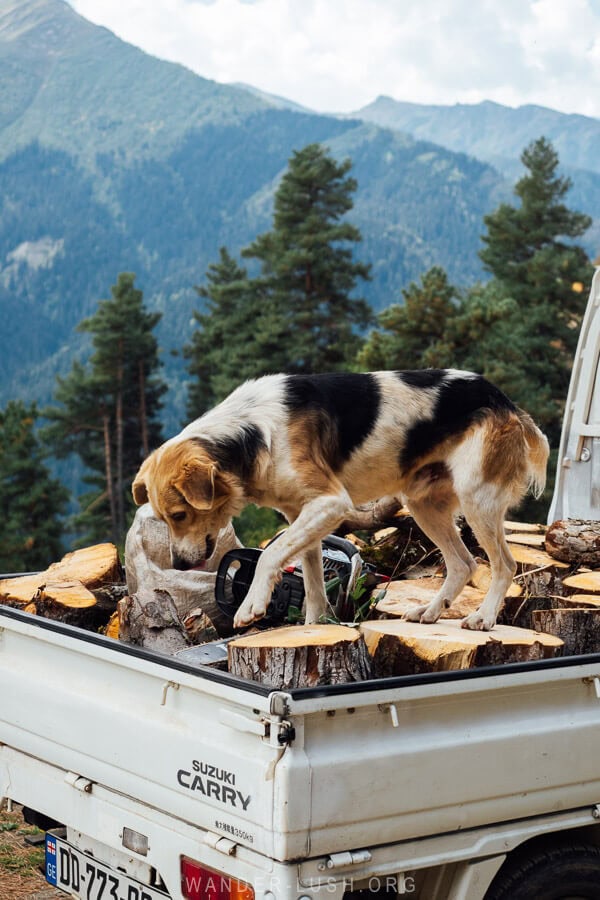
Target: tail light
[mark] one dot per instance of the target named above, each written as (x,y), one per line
(200,883)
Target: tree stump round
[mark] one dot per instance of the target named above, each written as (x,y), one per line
(409,648)
(300,656)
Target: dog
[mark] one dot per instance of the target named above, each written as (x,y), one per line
(315,446)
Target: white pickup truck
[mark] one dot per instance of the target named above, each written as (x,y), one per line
(157,778)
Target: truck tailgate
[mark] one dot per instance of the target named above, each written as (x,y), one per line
(192,747)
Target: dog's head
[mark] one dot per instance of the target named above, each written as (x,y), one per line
(187,490)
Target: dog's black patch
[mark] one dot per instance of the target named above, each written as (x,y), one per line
(461,401)
(236,453)
(422,378)
(345,406)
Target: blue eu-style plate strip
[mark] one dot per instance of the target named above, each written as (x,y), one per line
(51,872)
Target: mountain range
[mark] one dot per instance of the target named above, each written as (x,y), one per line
(112,160)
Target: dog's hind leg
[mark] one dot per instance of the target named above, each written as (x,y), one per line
(485,513)
(437,521)
(315,602)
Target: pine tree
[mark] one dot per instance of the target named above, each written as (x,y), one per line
(415,334)
(531,253)
(32,501)
(307,269)
(108,409)
(229,343)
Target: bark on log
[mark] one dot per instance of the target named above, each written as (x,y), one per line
(67,601)
(575,541)
(408,648)
(300,656)
(578,628)
(148,567)
(152,622)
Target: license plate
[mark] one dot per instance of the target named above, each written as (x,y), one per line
(84,877)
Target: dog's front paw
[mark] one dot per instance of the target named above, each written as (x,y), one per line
(477,622)
(416,614)
(426,615)
(249,612)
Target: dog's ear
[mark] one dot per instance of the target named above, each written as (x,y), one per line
(200,484)
(139,488)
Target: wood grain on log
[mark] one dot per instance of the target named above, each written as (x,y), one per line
(575,541)
(578,628)
(526,538)
(408,648)
(94,567)
(300,656)
(531,527)
(403,595)
(588,582)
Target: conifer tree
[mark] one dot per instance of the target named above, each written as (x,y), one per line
(415,334)
(235,338)
(532,255)
(32,501)
(307,266)
(107,410)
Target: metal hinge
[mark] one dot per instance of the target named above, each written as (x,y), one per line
(220,843)
(348,858)
(79,782)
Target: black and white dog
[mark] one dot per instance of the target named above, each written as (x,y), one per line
(315,446)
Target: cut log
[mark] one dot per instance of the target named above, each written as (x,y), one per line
(402,596)
(482,579)
(94,567)
(579,629)
(518,611)
(66,601)
(300,656)
(152,621)
(575,541)
(581,601)
(372,516)
(530,558)
(526,538)
(530,527)
(148,567)
(589,582)
(408,648)
(199,628)
(112,628)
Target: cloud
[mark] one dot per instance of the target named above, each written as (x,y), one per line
(337,55)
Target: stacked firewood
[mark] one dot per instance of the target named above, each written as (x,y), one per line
(551,609)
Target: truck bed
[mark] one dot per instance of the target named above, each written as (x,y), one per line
(307,773)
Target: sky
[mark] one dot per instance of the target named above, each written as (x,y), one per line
(339,55)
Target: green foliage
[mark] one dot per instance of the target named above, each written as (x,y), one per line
(414,334)
(520,329)
(256,524)
(32,502)
(107,410)
(307,266)
(298,314)
(530,252)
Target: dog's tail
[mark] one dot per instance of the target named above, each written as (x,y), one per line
(537,454)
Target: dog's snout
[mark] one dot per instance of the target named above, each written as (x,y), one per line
(178,562)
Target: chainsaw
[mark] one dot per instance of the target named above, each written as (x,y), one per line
(342,567)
